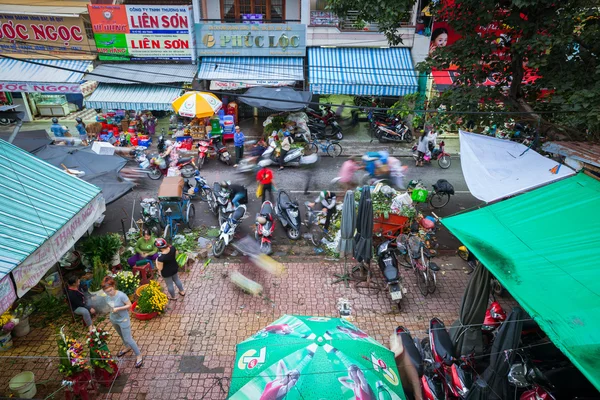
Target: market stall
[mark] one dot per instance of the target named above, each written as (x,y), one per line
(45,211)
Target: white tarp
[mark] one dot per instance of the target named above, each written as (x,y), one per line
(34,267)
(497,168)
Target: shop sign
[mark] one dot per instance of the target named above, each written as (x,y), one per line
(7,294)
(34,267)
(134,32)
(251,40)
(219,85)
(43,36)
(32,87)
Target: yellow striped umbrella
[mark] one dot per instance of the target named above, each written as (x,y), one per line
(197,104)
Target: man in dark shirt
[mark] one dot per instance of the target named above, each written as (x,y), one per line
(77,302)
(238,193)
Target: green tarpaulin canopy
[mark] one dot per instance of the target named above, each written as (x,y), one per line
(543,247)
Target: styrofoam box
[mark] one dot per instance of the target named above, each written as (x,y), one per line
(103,148)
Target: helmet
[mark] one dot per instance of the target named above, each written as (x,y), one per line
(261,220)
(55,120)
(168,143)
(286,133)
(160,243)
(78,119)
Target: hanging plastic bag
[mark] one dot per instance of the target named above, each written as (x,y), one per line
(259,191)
(419,195)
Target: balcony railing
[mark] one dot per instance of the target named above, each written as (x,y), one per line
(350,24)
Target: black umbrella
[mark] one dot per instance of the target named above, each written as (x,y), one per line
(100,170)
(501,358)
(466,332)
(347,228)
(363,251)
(278,99)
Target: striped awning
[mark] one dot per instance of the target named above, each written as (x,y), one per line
(133,97)
(36,201)
(240,69)
(361,71)
(127,74)
(52,71)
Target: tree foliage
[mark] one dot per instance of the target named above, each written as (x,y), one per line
(557,41)
(388,14)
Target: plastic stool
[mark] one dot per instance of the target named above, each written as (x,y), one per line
(145,272)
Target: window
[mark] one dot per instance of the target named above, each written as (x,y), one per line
(267,11)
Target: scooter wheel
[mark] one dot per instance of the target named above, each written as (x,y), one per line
(339,135)
(219,248)
(382,139)
(155,174)
(293,234)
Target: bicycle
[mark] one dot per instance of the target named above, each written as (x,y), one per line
(331,148)
(314,221)
(173,213)
(417,257)
(436,199)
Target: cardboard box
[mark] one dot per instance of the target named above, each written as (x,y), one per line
(171,186)
(103,148)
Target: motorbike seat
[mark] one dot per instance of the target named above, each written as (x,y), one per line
(284,200)
(185,160)
(238,214)
(434,267)
(411,349)
(390,273)
(266,209)
(442,342)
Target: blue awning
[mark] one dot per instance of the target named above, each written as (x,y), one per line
(237,69)
(361,71)
(24,71)
(36,200)
(133,97)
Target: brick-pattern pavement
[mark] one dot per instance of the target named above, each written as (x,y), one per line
(214,316)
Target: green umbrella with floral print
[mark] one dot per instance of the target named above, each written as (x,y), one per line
(299,357)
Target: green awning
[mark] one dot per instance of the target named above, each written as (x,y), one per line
(543,247)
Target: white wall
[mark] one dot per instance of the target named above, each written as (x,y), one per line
(213,10)
(420,49)
(330,36)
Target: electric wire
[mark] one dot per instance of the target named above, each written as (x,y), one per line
(235,95)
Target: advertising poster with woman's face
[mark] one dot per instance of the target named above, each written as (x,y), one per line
(442,35)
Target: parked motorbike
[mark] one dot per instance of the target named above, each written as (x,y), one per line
(388,264)
(200,189)
(151,215)
(158,167)
(161,146)
(219,202)
(444,159)
(456,374)
(265,226)
(294,158)
(322,131)
(228,228)
(210,147)
(288,213)
(398,133)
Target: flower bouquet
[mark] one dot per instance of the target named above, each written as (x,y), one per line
(7,324)
(152,301)
(73,364)
(127,282)
(104,366)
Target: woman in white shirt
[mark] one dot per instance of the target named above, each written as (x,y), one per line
(427,141)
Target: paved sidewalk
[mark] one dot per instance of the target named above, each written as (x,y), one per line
(193,344)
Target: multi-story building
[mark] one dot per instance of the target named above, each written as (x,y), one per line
(244,43)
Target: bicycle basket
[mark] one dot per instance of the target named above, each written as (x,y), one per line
(414,247)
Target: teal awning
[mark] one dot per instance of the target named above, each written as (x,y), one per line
(543,247)
(133,97)
(36,200)
(361,71)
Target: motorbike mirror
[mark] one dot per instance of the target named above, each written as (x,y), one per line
(517,375)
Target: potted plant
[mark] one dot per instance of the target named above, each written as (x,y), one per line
(7,324)
(98,274)
(23,310)
(104,366)
(127,283)
(106,247)
(152,302)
